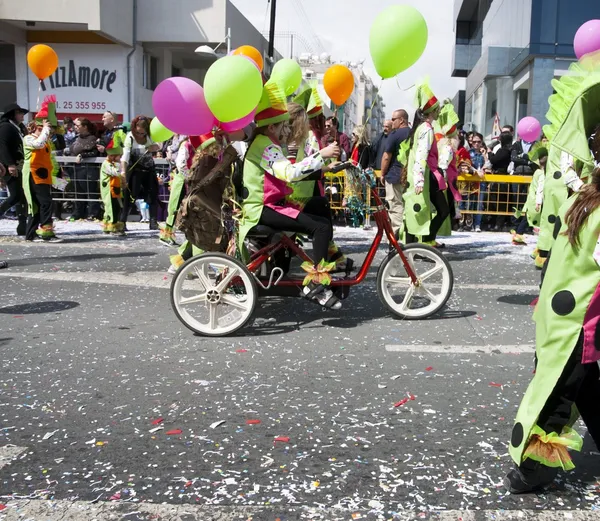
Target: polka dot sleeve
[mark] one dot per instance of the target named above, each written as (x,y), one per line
(275,163)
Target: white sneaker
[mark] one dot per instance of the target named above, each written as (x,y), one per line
(323,297)
(172,270)
(477,229)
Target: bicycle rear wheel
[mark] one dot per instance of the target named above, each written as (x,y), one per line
(213,294)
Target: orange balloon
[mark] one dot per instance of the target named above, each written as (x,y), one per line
(42,60)
(338,83)
(252,53)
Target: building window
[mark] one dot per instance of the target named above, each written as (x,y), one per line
(8,74)
(150,72)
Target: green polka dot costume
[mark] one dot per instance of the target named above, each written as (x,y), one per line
(569,305)
(574,113)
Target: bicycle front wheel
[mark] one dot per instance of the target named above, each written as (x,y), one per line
(413,301)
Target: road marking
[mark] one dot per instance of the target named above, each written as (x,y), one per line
(462,349)
(9,452)
(160,279)
(500,287)
(148,279)
(121,511)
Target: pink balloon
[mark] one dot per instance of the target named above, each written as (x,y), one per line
(180,106)
(232,126)
(529,129)
(587,38)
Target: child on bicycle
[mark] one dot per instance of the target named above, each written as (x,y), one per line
(267,177)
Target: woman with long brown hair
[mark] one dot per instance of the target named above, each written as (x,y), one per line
(567,349)
(137,165)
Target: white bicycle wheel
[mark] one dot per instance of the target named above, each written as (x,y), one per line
(405,299)
(213,294)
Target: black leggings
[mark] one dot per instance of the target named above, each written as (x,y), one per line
(16,195)
(577,385)
(42,198)
(439,200)
(141,183)
(316,225)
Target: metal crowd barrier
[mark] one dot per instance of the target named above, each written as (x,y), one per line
(493,195)
(83,179)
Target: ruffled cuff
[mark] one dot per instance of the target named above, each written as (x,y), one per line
(551,449)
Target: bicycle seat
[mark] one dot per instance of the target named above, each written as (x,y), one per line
(262,231)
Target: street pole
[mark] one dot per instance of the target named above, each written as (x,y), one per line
(272,30)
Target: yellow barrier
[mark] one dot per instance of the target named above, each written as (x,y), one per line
(493,195)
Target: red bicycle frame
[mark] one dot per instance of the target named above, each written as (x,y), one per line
(384,224)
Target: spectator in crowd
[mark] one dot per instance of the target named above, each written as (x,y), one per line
(379,145)
(502,157)
(138,166)
(477,161)
(470,136)
(522,166)
(497,144)
(70,134)
(361,149)
(109,121)
(87,176)
(391,169)
(500,160)
(58,140)
(11,157)
(333,135)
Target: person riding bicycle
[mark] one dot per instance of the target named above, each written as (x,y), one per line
(266,178)
(303,143)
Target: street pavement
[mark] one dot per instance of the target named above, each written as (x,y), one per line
(112,409)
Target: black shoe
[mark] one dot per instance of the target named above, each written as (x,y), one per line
(154,224)
(529,477)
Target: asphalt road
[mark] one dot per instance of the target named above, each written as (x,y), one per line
(113,410)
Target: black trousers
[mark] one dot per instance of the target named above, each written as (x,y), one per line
(116,209)
(141,184)
(42,198)
(579,384)
(522,225)
(440,202)
(316,225)
(16,196)
(87,187)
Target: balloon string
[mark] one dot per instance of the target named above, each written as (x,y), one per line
(37,105)
(373,104)
(398,85)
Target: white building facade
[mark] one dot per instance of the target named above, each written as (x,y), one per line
(113,53)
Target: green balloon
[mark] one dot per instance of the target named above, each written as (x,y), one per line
(232,88)
(288,74)
(158,132)
(398,39)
